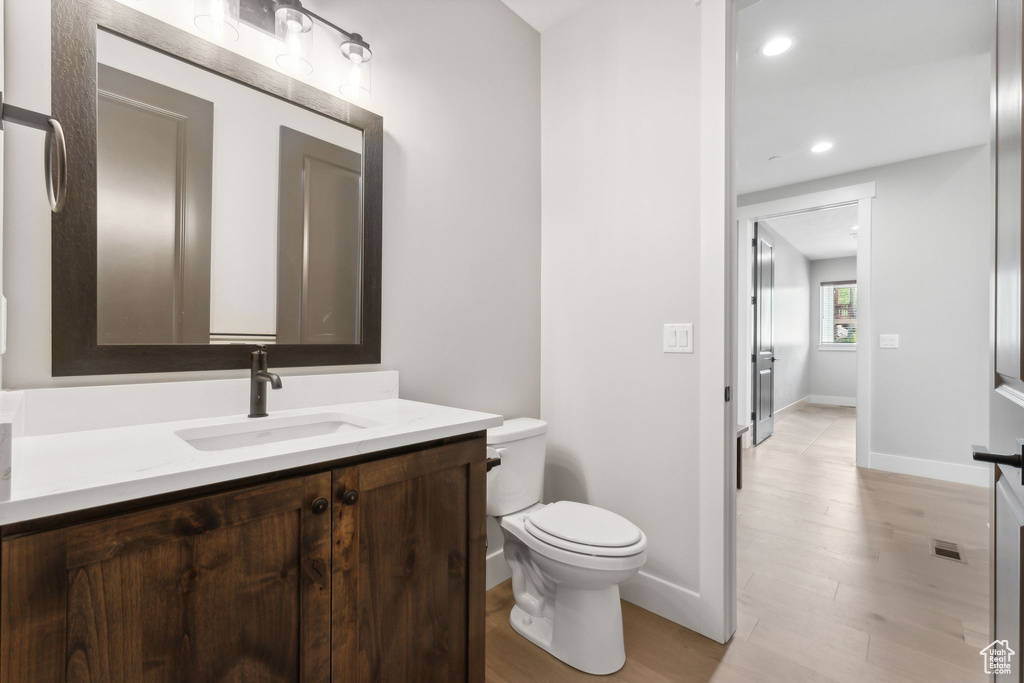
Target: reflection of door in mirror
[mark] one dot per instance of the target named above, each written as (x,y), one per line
(154,175)
(226,216)
(319,242)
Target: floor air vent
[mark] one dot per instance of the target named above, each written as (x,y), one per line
(947,550)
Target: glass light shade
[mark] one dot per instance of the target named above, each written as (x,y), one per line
(295,41)
(217,19)
(355,80)
(356,50)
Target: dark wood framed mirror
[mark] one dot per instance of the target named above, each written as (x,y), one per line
(167,256)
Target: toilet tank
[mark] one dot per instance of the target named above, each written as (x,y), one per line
(517,483)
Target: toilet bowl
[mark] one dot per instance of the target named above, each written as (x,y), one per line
(567,559)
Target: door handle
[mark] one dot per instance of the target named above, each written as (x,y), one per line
(774,359)
(981,455)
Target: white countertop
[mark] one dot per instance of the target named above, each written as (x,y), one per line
(64,472)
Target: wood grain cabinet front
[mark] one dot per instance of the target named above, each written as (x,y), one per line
(374,572)
(231,587)
(409,556)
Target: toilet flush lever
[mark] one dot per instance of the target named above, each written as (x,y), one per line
(495,460)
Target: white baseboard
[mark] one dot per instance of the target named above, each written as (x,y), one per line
(919,467)
(832,401)
(497,569)
(675,603)
(665,599)
(791,408)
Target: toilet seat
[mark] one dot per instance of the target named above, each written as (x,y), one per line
(584,557)
(585,529)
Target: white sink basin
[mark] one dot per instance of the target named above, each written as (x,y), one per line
(259,431)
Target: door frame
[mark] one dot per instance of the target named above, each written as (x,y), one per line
(745,217)
(714,337)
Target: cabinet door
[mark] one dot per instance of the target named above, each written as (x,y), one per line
(230,587)
(409,567)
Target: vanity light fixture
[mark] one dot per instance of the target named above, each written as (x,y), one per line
(821,147)
(217,19)
(776,46)
(357,55)
(294,29)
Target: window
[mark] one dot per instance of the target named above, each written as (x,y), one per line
(838,314)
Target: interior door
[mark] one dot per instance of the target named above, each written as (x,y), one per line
(320,250)
(1009,520)
(1006,414)
(764,338)
(154,165)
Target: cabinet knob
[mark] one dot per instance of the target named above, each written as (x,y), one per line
(350,497)
(320,506)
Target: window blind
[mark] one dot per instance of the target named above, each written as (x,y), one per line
(838,314)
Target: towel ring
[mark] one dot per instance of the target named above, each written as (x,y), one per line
(55,136)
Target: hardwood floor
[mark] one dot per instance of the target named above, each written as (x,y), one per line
(836,579)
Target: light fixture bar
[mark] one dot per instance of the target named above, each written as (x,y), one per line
(297,6)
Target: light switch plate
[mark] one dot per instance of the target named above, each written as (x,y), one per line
(678,338)
(888,341)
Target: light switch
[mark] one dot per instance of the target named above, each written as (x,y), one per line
(678,338)
(888,341)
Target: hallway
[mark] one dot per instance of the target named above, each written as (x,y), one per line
(834,566)
(836,580)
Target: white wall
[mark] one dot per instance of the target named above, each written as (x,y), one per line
(930,264)
(833,371)
(621,227)
(461,287)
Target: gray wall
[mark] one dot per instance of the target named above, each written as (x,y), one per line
(930,264)
(833,371)
(792,336)
(458,85)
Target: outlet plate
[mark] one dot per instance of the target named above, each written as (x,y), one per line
(888,341)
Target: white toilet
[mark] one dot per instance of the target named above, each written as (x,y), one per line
(567,559)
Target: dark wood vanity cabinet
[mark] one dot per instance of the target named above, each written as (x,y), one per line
(409,567)
(373,572)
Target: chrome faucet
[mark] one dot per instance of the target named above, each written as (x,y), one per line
(258,383)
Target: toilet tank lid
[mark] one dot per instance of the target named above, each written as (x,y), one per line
(515,429)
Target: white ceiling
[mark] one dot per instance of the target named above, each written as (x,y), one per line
(884,80)
(543,14)
(820,234)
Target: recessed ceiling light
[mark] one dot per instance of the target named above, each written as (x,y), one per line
(854,227)
(776,46)
(823,146)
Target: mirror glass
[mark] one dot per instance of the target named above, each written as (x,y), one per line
(225,215)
